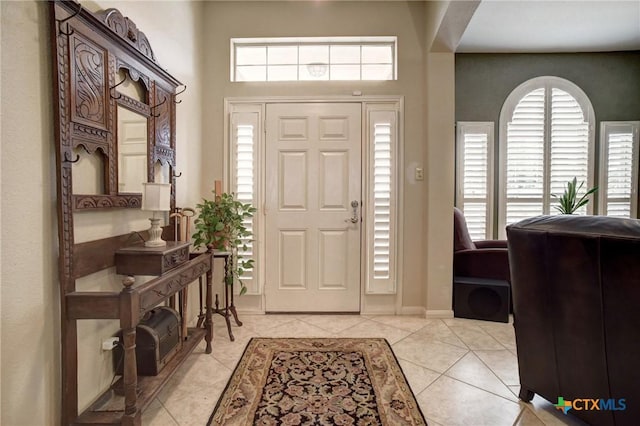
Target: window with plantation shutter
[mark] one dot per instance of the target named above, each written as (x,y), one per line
(474,178)
(546,140)
(381,209)
(244,136)
(618,168)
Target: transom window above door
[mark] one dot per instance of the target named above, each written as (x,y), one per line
(313,59)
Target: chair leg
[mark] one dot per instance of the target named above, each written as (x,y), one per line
(525,394)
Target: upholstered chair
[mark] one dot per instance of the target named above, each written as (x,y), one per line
(487,259)
(576,291)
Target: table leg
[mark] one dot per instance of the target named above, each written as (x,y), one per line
(208,322)
(185,296)
(130,373)
(232,306)
(201,312)
(129,302)
(227,316)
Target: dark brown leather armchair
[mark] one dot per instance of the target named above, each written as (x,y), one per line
(575,283)
(480,259)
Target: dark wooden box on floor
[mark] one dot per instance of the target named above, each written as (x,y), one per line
(157,341)
(481,298)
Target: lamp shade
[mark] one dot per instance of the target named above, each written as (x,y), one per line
(156,197)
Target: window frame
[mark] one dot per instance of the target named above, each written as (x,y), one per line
(506,113)
(267,42)
(371,294)
(235,114)
(376,113)
(604,161)
(485,127)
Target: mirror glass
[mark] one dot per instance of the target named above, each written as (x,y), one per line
(132,137)
(132,150)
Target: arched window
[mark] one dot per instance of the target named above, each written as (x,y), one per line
(546,139)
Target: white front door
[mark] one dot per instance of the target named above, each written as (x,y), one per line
(313,191)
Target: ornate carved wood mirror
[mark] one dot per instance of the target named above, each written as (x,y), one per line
(115,129)
(115,109)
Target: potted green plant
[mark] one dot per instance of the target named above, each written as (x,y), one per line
(221,225)
(569,201)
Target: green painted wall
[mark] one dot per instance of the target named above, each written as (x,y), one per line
(610,80)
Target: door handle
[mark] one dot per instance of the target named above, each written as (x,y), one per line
(354,215)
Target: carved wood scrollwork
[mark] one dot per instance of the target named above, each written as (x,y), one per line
(135,74)
(88,59)
(82,202)
(134,105)
(176,258)
(126,29)
(88,81)
(151,298)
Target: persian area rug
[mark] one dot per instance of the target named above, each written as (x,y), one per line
(317,382)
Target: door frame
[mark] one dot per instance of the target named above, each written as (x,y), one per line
(371,301)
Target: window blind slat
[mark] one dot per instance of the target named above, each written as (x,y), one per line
(474,176)
(618,181)
(569,141)
(244,183)
(525,147)
(381,199)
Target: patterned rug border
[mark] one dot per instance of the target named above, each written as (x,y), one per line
(248,345)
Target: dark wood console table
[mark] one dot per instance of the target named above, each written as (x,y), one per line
(129,306)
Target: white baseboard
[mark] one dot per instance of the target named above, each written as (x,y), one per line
(413,311)
(377,310)
(444,313)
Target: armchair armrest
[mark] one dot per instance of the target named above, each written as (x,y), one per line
(486,244)
(484,263)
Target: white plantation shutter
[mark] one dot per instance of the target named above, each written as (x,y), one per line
(569,145)
(525,158)
(546,134)
(619,168)
(381,209)
(381,199)
(475,176)
(244,137)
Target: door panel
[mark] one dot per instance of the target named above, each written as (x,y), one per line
(292,261)
(292,180)
(313,174)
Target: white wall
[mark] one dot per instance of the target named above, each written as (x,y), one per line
(225,20)
(30,355)
(440,165)
(30,360)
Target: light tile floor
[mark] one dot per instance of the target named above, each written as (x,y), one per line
(463,372)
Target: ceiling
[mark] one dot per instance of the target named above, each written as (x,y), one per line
(552,26)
